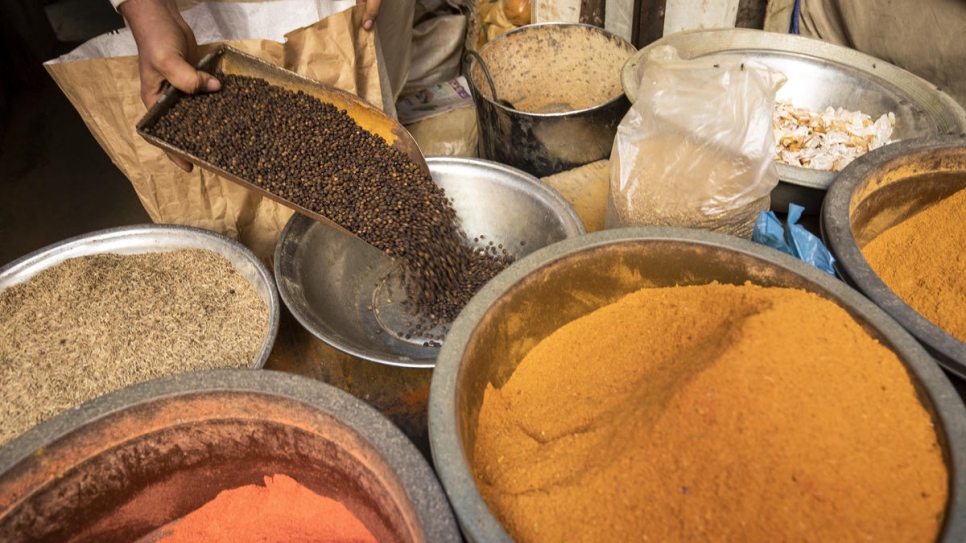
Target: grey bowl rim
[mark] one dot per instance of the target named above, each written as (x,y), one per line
(475,517)
(423,487)
(405,361)
(565,114)
(852,265)
(222,241)
(796,175)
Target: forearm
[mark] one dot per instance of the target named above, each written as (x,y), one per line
(149,18)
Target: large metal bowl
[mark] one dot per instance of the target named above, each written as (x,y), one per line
(339,287)
(820,75)
(121,466)
(880,190)
(156,238)
(572,278)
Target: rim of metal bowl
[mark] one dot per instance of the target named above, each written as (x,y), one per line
(157,238)
(722,40)
(479,523)
(538,26)
(409,465)
(836,227)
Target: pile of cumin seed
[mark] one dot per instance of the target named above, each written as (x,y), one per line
(94,324)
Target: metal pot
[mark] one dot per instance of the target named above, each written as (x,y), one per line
(880,190)
(127,463)
(574,277)
(562,85)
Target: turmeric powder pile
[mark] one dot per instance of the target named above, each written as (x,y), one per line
(711,413)
(922,261)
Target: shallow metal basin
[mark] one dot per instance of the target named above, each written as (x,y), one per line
(820,75)
(348,293)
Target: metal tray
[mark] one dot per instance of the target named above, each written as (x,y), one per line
(820,74)
(227,60)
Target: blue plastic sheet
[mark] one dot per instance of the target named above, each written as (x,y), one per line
(793,238)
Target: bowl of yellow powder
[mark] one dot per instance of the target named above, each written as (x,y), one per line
(895,222)
(657,384)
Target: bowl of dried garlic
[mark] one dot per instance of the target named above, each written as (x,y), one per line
(837,104)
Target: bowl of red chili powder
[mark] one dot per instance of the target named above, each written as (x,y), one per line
(894,221)
(221,455)
(679,385)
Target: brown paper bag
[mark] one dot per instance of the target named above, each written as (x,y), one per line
(585,187)
(105,92)
(453,133)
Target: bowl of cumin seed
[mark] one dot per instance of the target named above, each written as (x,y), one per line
(115,307)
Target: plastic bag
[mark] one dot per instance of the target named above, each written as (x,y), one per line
(697,148)
(797,241)
(517,11)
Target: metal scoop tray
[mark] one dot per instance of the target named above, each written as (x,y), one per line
(228,60)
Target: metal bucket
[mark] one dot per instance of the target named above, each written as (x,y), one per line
(563,82)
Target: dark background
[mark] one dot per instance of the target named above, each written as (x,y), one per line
(55,180)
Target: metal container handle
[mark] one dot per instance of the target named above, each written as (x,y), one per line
(486,71)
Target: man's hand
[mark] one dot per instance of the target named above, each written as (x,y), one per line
(166,52)
(372,11)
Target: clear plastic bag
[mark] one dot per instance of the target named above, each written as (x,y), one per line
(697,148)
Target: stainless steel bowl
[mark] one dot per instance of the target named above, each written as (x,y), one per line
(348,294)
(820,75)
(570,279)
(156,238)
(121,466)
(878,191)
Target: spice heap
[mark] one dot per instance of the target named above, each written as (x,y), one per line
(315,156)
(827,140)
(711,413)
(921,260)
(94,324)
(282,511)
